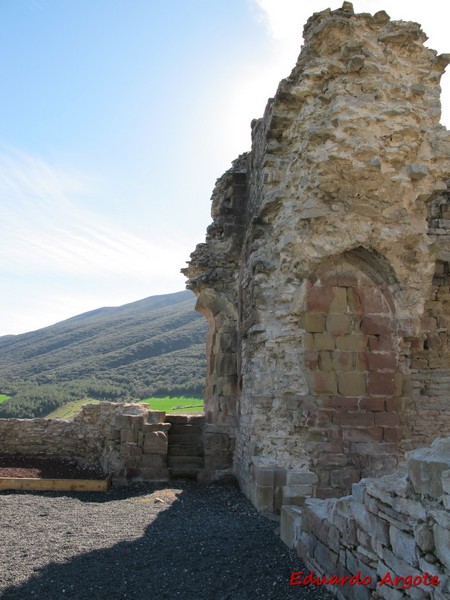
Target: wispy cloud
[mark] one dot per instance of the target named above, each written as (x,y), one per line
(46,224)
(52,245)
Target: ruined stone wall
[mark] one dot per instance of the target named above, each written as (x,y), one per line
(128,441)
(324,275)
(397,526)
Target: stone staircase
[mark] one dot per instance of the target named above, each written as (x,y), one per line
(185,451)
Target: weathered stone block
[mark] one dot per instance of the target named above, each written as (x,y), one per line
(264,476)
(425,469)
(352,384)
(216,441)
(325,383)
(403,545)
(314,322)
(442,544)
(324,341)
(155,442)
(155,416)
(352,343)
(152,460)
(338,324)
(290,524)
(423,536)
(344,478)
(382,384)
(264,498)
(354,419)
(300,477)
(343,361)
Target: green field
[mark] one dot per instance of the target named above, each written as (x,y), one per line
(169,405)
(3,397)
(175,405)
(69,410)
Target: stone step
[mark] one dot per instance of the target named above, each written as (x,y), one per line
(187,419)
(183,472)
(185,440)
(185,428)
(185,461)
(185,450)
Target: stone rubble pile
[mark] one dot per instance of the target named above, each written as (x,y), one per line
(392,532)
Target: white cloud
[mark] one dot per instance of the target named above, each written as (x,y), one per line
(59,257)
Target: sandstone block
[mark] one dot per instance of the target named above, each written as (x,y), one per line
(376,325)
(155,443)
(325,383)
(338,324)
(354,419)
(386,419)
(325,361)
(381,384)
(368,434)
(314,322)
(300,477)
(352,384)
(155,416)
(324,341)
(343,361)
(352,343)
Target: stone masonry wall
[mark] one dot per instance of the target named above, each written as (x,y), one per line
(324,275)
(127,440)
(397,526)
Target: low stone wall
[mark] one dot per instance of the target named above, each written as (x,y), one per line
(392,534)
(128,440)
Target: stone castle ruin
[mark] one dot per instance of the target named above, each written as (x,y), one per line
(325,280)
(325,274)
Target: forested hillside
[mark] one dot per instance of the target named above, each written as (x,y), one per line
(155,346)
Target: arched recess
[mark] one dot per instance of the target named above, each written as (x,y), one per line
(221,381)
(351,343)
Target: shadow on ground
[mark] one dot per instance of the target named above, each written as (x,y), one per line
(206,543)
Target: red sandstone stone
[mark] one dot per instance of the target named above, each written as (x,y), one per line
(381,361)
(372,403)
(354,419)
(369,434)
(339,402)
(392,434)
(381,384)
(386,419)
(377,325)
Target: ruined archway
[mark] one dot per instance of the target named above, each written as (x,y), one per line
(351,356)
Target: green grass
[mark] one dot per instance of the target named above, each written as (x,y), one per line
(69,410)
(4,397)
(175,405)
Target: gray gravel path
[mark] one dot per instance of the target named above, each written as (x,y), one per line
(145,542)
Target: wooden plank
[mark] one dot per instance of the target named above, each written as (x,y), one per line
(56,485)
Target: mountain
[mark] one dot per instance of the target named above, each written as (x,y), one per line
(154,346)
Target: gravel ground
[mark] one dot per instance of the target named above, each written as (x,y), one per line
(144,542)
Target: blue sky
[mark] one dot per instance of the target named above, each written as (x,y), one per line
(117,117)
